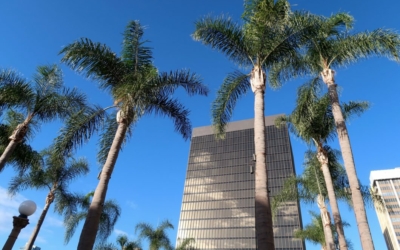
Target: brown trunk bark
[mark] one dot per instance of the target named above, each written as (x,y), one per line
(326,223)
(264,227)
(7,153)
(347,154)
(16,137)
(89,230)
(323,159)
(49,200)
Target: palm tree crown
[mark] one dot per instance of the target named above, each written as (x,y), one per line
(43,100)
(157,237)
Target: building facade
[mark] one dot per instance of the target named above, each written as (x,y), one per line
(387,184)
(218,200)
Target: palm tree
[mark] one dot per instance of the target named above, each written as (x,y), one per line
(310,188)
(313,122)
(123,242)
(271,33)
(314,232)
(311,184)
(137,88)
(43,102)
(333,47)
(157,237)
(184,244)
(75,209)
(54,174)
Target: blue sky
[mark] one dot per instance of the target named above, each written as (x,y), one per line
(149,175)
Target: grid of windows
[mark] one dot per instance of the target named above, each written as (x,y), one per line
(218,199)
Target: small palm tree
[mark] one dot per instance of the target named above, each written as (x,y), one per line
(123,242)
(312,121)
(271,34)
(314,232)
(185,244)
(311,184)
(75,209)
(333,46)
(137,89)
(157,237)
(44,100)
(54,174)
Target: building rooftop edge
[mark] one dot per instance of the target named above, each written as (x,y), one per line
(384,174)
(234,126)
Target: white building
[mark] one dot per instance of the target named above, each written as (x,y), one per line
(387,184)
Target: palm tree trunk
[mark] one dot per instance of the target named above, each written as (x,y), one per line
(323,159)
(16,137)
(326,223)
(347,154)
(49,200)
(89,230)
(7,153)
(264,227)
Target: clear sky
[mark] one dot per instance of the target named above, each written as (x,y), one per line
(149,175)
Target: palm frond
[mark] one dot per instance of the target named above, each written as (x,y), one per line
(67,203)
(166,106)
(234,86)
(48,78)
(223,34)
(351,48)
(185,244)
(165,225)
(133,245)
(354,108)
(22,182)
(106,246)
(24,157)
(75,168)
(134,54)
(97,60)
(108,219)
(106,137)
(71,223)
(59,105)
(144,230)
(168,82)
(15,91)
(333,24)
(122,239)
(313,232)
(79,129)
(286,69)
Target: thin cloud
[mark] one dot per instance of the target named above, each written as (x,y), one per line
(131,204)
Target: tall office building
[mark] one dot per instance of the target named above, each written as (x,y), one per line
(218,200)
(387,184)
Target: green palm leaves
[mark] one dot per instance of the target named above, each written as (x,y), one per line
(157,237)
(75,209)
(43,100)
